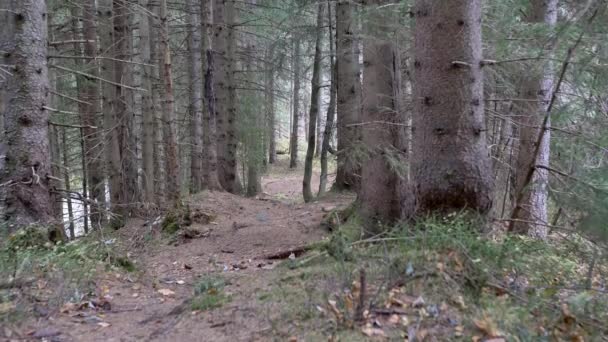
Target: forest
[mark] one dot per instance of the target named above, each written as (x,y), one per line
(304,170)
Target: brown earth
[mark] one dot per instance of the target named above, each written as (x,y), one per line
(234,246)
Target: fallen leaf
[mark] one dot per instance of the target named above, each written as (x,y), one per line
(419,302)
(394,319)
(370,332)
(103,324)
(166,292)
(7,307)
(487,326)
(180,282)
(333,307)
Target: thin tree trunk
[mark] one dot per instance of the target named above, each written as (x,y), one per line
(66,182)
(380,187)
(331,109)
(530,214)
(293,141)
(451,168)
(349,96)
(93,144)
(270,77)
(314,107)
(196,96)
(24,179)
(172,166)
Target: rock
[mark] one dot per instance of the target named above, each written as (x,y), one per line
(46,332)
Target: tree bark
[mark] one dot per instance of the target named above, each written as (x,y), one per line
(93,144)
(451,168)
(66,182)
(293,141)
(172,166)
(380,195)
(530,214)
(349,96)
(270,78)
(331,109)
(196,96)
(314,107)
(224,45)
(25,176)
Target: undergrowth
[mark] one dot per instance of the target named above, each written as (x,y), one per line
(33,268)
(209,294)
(443,278)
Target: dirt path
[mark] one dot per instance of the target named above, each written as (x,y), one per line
(244,231)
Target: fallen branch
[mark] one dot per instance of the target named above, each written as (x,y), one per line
(297,251)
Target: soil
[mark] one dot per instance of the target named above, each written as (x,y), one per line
(235,245)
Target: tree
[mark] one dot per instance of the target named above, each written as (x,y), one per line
(293,141)
(196,97)
(380,194)
(331,108)
(24,180)
(451,168)
(349,95)
(530,212)
(224,46)
(172,165)
(314,107)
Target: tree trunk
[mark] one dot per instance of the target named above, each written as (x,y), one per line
(25,176)
(331,109)
(536,86)
(295,123)
(314,107)
(66,182)
(270,78)
(172,166)
(224,45)
(349,96)
(196,96)
(149,110)
(451,168)
(112,141)
(379,197)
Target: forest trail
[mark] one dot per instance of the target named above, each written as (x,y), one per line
(154,304)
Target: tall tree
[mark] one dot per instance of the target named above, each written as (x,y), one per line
(331,108)
(91,110)
(293,140)
(451,167)
(210,168)
(25,178)
(349,95)
(380,195)
(196,96)
(172,166)
(530,212)
(314,107)
(224,45)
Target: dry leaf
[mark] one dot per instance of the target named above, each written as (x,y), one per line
(394,319)
(369,331)
(6,307)
(166,292)
(103,324)
(487,326)
(334,309)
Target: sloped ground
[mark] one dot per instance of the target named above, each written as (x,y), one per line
(154,302)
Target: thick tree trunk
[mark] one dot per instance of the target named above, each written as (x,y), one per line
(172,166)
(149,110)
(314,107)
(295,123)
(331,109)
(25,176)
(382,121)
(451,168)
(530,212)
(210,143)
(224,45)
(110,120)
(349,96)
(196,96)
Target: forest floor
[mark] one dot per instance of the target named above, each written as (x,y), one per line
(156,301)
(271,269)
